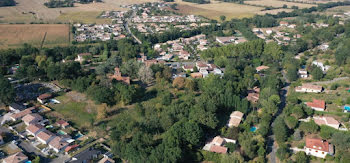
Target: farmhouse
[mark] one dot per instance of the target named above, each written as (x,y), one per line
(318,147)
(328,121)
(235,119)
(318,105)
(310,88)
(18,157)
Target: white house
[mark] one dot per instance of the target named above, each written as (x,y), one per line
(324,68)
(58,144)
(328,121)
(318,147)
(45,136)
(302,73)
(310,88)
(235,119)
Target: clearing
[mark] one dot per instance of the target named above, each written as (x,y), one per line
(15,35)
(216,8)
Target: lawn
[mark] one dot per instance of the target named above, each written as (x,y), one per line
(15,35)
(75,108)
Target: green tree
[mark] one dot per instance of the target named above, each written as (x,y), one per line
(301,157)
(7,92)
(317,73)
(222,18)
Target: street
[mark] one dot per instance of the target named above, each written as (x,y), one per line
(126,25)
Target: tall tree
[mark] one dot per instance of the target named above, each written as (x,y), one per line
(7,92)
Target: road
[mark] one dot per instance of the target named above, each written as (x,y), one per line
(272,148)
(126,25)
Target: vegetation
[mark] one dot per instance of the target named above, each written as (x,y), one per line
(7,3)
(198,1)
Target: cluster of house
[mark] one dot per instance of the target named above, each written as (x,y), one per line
(102,32)
(173,48)
(150,28)
(145,18)
(204,69)
(116,16)
(303,73)
(230,40)
(146,6)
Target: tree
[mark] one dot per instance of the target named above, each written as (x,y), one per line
(284,6)
(283,152)
(222,18)
(7,92)
(292,73)
(36,159)
(179,82)
(145,74)
(301,157)
(309,127)
(280,130)
(317,73)
(291,122)
(234,157)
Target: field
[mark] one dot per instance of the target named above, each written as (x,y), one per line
(215,9)
(28,11)
(277,3)
(14,35)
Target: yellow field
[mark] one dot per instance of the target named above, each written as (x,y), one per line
(277,3)
(27,11)
(15,35)
(274,11)
(215,9)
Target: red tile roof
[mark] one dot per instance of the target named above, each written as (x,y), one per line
(317,144)
(44,96)
(218,149)
(317,104)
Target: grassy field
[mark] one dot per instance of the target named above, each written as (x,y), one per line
(83,17)
(215,9)
(15,35)
(75,107)
(277,3)
(27,11)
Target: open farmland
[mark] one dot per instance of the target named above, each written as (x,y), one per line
(12,36)
(27,11)
(215,9)
(277,3)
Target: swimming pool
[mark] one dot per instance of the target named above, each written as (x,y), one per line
(347,108)
(253,129)
(61,132)
(78,135)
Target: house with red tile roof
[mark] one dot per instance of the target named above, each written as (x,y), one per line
(261,68)
(58,144)
(217,144)
(18,157)
(318,105)
(235,119)
(19,115)
(118,76)
(309,88)
(196,75)
(328,121)
(44,98)
(188,68)
(218,149)
(62,123)
(32,118)
(318,147)
(34,129)
(45,136)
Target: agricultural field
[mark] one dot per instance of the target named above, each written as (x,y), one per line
(277,3)
(27,11)
(15,35)
(215,9)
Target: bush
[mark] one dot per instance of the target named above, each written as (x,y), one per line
(334,86)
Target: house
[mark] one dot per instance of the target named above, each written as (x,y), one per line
(58,144)
(188,68)
(184,55)
(310,88)
(15,107)
(32,118)
(261,68)
(318,105)
(323,67)
(106,160)
(118,76)
(225,40)
(253,97)
(45,136)
(34,129)
(218,149)
(235,119)
(71,147)
(329,121)
(196,75)
(318,147)
(44,98)
(302,73)
(62,123)
(19,115)
(201,65)
(82,56)
(284,23)
(204,73)
(18,157)
(217,144)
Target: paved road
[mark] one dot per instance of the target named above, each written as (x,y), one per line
(126,25)
(271,139)
(330,81)
(28,147)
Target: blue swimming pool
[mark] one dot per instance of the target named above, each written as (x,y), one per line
(253,129)
(347,108)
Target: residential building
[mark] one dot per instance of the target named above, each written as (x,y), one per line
(34,129)
(284,23)
(82,57)
(15,107)
(235,119)
(261,68)
(302,73)
(196,75)
(45,136)
(188,68)
(62,123)
(58,144)
(18,157)
(225,40)
(318,105)
(106,160)
(310,88)
(118,76)
(44,98)
(323,67)
(329,121)
(318,147)
(19,115)
(218,149)
(32,118)
(217,144)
